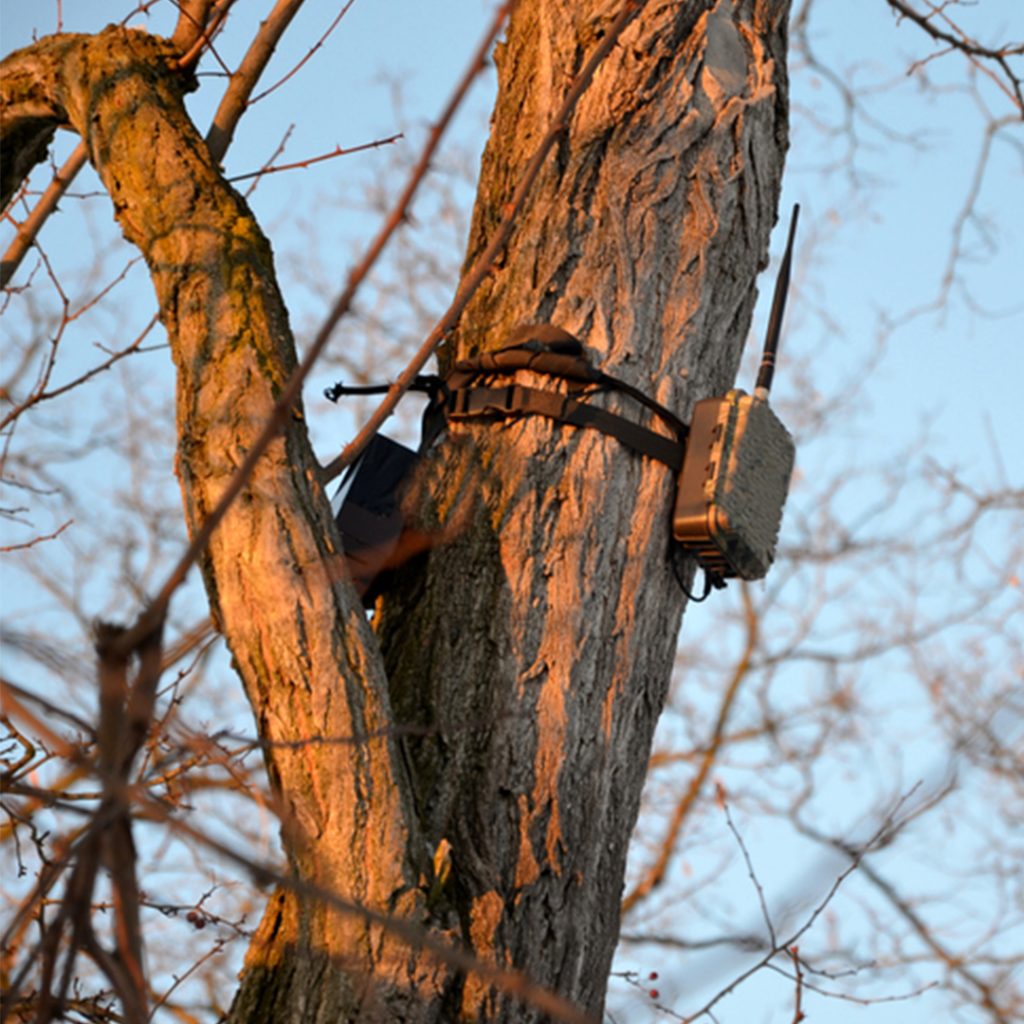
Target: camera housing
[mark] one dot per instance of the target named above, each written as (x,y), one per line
(733,485)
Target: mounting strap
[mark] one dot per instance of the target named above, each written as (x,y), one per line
(518,400)
(546,349)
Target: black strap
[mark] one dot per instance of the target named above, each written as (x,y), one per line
(546,349)
(516,400)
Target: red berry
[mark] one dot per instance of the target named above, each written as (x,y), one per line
(654,993)
(653,976)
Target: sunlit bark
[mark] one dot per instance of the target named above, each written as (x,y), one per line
(277,589)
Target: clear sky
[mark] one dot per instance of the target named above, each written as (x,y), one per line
(869,248)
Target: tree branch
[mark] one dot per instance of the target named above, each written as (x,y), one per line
(960,41)
(293,389)
(656,872)
(245,77)
(28,229)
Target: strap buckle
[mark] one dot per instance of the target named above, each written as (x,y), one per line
(460,405)
(467,402)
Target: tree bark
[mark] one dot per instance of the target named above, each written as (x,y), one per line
(534,652)
(530,655)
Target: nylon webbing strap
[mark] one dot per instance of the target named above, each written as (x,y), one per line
(515,399)
(542,349)
(569,365)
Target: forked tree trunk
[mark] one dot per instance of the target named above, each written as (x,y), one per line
(525,662)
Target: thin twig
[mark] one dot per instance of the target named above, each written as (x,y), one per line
(37,540)
(42,395)
(954,962)
(960,41)
(882,835)
(656,873)
(192,18)
(243,81)
(306,57)
(28,229)
(337,151)
(281,146)
(195,31)
(798,1012)
(10,694)
(761,901)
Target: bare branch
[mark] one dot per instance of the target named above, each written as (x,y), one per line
(958,40)
(306,57)
(655,874)
(751,873)
(882,835)
(37,540)
(293,388)
(309,161)
(955,963)
(245,77)
(192,18)
(190,37)
(41,394)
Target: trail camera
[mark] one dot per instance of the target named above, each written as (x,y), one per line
(739,459)
(733,461)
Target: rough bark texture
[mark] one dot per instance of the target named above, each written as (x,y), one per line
(535,649)
(538,646)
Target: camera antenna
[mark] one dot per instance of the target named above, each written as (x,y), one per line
(771,342)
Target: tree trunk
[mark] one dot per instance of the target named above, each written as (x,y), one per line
(527,660)
(534,651)
(276,581)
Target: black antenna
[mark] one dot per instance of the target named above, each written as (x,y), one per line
(771,341)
